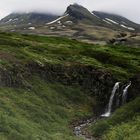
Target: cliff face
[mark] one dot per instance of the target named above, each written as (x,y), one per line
(10,78)
(68,62)
(134,90)
(97,83)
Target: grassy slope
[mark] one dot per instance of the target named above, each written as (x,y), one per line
(45,111)
(120,60)
(124,124)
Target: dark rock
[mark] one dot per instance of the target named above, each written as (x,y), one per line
(134,90)
(96,82)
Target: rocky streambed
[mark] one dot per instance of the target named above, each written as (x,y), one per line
(79,128)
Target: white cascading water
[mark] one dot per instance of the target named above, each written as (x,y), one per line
(108,112)
(125,91)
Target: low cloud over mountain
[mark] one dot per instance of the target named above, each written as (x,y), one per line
(129,9)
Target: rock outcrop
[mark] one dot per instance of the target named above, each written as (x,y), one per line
(97,83)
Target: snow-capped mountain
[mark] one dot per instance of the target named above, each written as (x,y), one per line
(77,22)
(27,18)
(117,19)
(78,13)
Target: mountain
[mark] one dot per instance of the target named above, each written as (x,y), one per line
(81,13)
(27,18)
(117,19)
(78,23)
(99,18)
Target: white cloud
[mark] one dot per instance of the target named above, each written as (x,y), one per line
(127,8)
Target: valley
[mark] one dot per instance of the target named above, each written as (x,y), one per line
(74,76)
(48,82)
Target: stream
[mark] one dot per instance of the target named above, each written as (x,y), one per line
(80,129)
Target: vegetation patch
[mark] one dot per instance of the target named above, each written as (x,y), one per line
(44,109)
(122,125)
(122,61)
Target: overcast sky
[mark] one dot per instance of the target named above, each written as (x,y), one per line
(127,8)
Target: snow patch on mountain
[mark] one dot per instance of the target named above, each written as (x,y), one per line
(110,20)
(9,21)
(57,19)
(129,28)
(69,22)
(95,15)
(31,28)
(107,21)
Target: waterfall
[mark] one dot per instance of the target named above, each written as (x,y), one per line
(125,91)
(108,112)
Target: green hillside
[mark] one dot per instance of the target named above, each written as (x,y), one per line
(45,84)
(45,112)
(121,61)
(124,124)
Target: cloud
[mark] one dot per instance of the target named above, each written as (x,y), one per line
(127,8)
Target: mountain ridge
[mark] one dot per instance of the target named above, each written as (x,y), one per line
(74,10)
(118,19)
(25,18)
